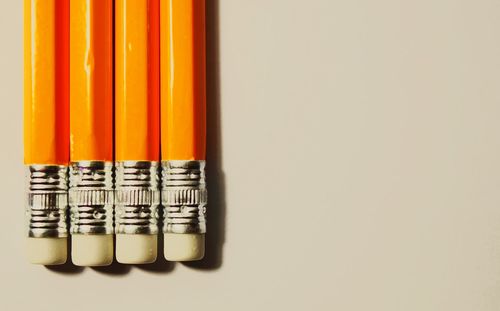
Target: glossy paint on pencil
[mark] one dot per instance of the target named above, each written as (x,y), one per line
(183,79)
(137,107)
(91,80)
(46,76)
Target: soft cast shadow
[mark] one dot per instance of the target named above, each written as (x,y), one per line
(216,210)
(67,268)
(115,269)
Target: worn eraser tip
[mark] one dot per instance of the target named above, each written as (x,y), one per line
(47,251)
(136,248)
(92,250)
(184,247)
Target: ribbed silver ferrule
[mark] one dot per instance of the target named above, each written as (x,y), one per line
(184,196)
(137,197)
(46,200)
(91,197)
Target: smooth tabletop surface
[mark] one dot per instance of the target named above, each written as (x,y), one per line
(354,164)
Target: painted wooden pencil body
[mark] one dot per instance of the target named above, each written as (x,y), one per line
(183,127)
(137,130)
(46,128)
(91,195)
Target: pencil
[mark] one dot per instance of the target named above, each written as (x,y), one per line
(91,195)
(184,194)
(46,128)
(137,129)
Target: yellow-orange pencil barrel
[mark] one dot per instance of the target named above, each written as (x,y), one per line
(137,129)
(183,127)
(91,193)
(46,128)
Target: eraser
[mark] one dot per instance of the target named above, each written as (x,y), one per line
(184,247)
(92,250)
(47,251)
(136,248)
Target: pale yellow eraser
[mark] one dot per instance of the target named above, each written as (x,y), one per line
(136,248)
(184,247)
(92,250)
(47,251)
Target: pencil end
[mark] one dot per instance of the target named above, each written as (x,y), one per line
(136,248)
(47,251)
(184,246)
(92,250)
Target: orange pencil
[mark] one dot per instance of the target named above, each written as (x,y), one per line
(46,132)
(91,195)
(137,129)
(183,104)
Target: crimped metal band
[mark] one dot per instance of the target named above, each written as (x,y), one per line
(184,196)
(91,197)
(46,200)
(137,197)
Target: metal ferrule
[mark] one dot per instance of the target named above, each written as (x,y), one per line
(184,196)
(46,200)
(91,197)
(137,197)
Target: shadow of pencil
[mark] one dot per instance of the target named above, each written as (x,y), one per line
(67,268)
(115,268)
(216,211)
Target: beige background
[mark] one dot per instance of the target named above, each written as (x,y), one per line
(355,165)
